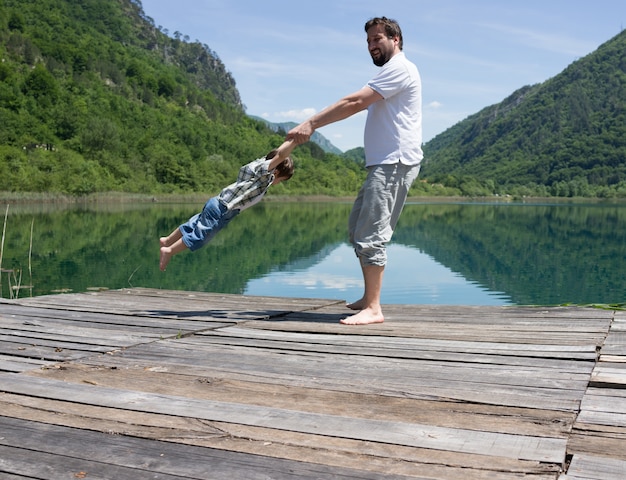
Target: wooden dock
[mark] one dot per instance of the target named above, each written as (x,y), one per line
(154,384)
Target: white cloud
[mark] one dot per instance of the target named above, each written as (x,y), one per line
(295,115)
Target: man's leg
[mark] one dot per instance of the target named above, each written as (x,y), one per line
(368,236)
(369,304)
(382,197)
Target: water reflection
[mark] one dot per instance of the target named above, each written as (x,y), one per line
(445,253)
(411,277)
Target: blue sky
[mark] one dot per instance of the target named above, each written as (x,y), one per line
(290,60)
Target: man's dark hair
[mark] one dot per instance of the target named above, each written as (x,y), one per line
(392,28)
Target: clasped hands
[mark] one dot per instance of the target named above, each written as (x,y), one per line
(301,133)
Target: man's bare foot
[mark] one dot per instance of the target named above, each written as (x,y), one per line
(166,255)
(364,317)
(358,305)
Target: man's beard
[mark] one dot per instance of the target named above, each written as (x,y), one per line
(381,60)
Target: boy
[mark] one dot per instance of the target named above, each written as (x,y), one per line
(253,181)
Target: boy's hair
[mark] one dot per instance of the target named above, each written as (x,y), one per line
(285,168)
(392,28)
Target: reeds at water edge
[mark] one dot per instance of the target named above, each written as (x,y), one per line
(14,277)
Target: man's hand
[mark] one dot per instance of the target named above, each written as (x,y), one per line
(301,133)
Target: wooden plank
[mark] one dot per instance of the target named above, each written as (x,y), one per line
(604,406)
(65,452)
(615,343)
(502,386)
(59,343)
(598,440)
(609,375)
(537,331)
(335,402)
(400,433)
(94,334)
(578,319)
(613,358)
(337,452)
(512,396)
(605,400)
(506,314)
(616,338)
(602,418)
(587,467)
(406,347)
(35,318)
(174,303)
(44,353)
(195,304)
(428,352)
(21,463)
(11,363)
(573,374)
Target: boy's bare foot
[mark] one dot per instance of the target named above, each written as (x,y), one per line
(166,255)
(366,316)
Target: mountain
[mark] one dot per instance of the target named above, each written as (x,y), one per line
(316,138)
(564,137)
(95,98)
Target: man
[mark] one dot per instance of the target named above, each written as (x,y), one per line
(393,138)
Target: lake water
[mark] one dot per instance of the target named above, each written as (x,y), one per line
(442,253)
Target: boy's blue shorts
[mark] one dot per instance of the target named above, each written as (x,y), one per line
(202,227)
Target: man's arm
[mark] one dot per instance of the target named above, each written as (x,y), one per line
(340,110)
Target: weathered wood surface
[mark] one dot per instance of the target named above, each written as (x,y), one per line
(598,441)
(143,383)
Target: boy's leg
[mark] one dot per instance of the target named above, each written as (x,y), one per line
(171,238)
(167,252)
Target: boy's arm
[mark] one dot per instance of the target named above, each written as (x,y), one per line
(282,152)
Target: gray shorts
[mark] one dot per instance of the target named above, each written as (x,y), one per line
(377,208)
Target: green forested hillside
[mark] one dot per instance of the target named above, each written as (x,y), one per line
(95,98)
(565,137)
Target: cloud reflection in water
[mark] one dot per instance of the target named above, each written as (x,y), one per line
(411,277)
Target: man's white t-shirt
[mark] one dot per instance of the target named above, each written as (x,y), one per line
(393,130)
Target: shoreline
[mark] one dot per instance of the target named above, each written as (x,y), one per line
(21,198)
